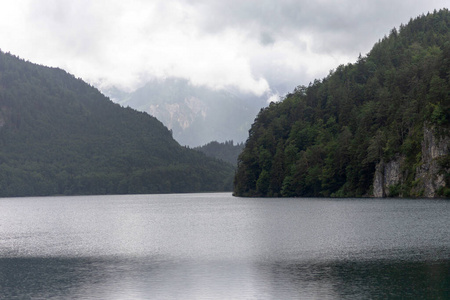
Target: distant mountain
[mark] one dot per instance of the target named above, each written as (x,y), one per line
(226,151)
(195,114)
(59,135)
(378,127)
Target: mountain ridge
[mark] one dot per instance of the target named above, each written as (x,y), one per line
(59,135)
(226,151)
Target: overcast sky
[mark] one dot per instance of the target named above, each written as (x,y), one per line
(262,47)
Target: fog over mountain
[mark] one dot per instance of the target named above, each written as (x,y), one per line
(257,47)
(261,48)
(195,114)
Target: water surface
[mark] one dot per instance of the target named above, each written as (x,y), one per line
(214,246)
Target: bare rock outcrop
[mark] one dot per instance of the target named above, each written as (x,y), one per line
(429,177)
(387,176)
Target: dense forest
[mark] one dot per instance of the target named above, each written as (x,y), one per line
(366,122)
(61,136)
(226,151)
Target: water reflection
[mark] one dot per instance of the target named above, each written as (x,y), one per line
(215,246)
(362,279)
(43,278)
(144,278)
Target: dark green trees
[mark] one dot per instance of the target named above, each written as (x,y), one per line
(226,151)
(327,139)
(59,135)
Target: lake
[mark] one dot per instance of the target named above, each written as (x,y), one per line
(215,246)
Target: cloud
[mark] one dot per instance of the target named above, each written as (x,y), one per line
(258,46)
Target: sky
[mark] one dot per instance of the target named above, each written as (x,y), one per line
(264,47)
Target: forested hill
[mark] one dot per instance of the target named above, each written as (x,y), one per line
(226,151)
(58,135)
(377,127)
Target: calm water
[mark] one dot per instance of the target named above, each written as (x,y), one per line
(214,246)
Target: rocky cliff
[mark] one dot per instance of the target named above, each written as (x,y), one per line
(387,177)
(430,174)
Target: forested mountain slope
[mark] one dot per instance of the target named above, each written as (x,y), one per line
(377,127)
(226,151)
(58,135)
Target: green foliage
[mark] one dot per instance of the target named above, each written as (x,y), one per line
(59,135)
(326,139)
(226,151)
(395,190)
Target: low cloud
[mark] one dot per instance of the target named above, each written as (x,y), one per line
(260,47)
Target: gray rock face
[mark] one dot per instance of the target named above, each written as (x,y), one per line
(429,176)
(387,175)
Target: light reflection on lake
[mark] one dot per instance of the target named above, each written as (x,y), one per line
(214,246)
